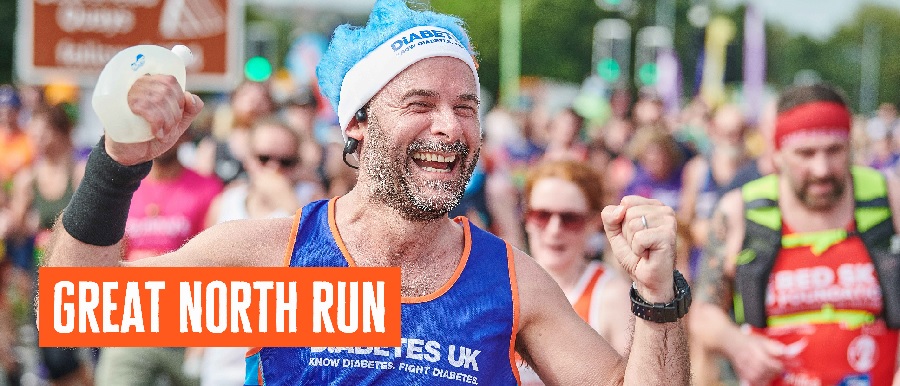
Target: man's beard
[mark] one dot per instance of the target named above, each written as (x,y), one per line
(821,202)
(391,182)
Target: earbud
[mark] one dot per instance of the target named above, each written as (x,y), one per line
(352,143)
(350,147)
(361,115)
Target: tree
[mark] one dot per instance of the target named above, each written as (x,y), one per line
(7,36)
(556,36)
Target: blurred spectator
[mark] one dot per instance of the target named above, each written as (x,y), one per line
(648,110)
(884,123)
(299,113)
(32,97)
(564,136)
(881,129)
(169,208)
(272,190)
(509,145)
(659,166)
(617,132)
(764,164)
(225,152)
(693,127)
(16,153)
(166,211)
(563,201)
(491,199)
(16,150)
(337,176)
(40,193)
(705,175)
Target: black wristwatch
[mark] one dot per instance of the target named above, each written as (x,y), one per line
(664,312)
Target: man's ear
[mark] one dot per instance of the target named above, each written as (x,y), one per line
(356,129)
(777,160)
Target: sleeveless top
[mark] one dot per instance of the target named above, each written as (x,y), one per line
(463,333)
(233,202)
(585,299)
(48,210)
(708,194)
(822,306)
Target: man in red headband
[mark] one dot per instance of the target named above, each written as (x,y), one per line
(807,259)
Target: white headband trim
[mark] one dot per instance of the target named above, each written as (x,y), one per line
(376,69)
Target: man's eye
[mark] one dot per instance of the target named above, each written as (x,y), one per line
(467,108)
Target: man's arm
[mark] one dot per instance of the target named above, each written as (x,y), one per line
(242,243)
(642,235)
(563,349)
(754,357)
(92,235)
(894,201)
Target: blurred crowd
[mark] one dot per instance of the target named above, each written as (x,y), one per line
(546,169)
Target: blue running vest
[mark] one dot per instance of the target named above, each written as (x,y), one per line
(462,334)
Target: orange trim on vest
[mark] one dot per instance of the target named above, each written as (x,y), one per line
(582,305)
(332,223)
(252,351)
(514,285)
(294,229)
(259,375)
(467,248)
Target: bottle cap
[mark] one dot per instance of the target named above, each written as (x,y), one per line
(184,53)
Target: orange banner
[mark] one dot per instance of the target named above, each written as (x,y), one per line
(226,307)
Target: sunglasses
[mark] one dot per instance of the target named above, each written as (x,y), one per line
(570,221)
(285,162)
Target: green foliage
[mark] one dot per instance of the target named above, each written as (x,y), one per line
(563,55)
(841,56)
(557,42)
(557,36)
(483,23)
(7,37)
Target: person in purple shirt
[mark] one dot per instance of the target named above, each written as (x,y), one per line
(659,165)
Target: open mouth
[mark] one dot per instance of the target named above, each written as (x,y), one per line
(434,162)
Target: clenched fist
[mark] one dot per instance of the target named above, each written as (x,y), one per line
(169,110)
(641,233)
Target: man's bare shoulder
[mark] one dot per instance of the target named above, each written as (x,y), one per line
(239,243)
(732,203)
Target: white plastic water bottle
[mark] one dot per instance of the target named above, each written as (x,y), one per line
(110,99)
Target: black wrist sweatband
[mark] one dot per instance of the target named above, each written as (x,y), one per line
(98,210)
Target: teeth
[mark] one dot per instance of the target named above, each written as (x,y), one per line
(432,157)
(433,170)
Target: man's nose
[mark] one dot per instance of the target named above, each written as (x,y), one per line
(448,124)
(819,165)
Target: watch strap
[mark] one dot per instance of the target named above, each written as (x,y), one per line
(664,312)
